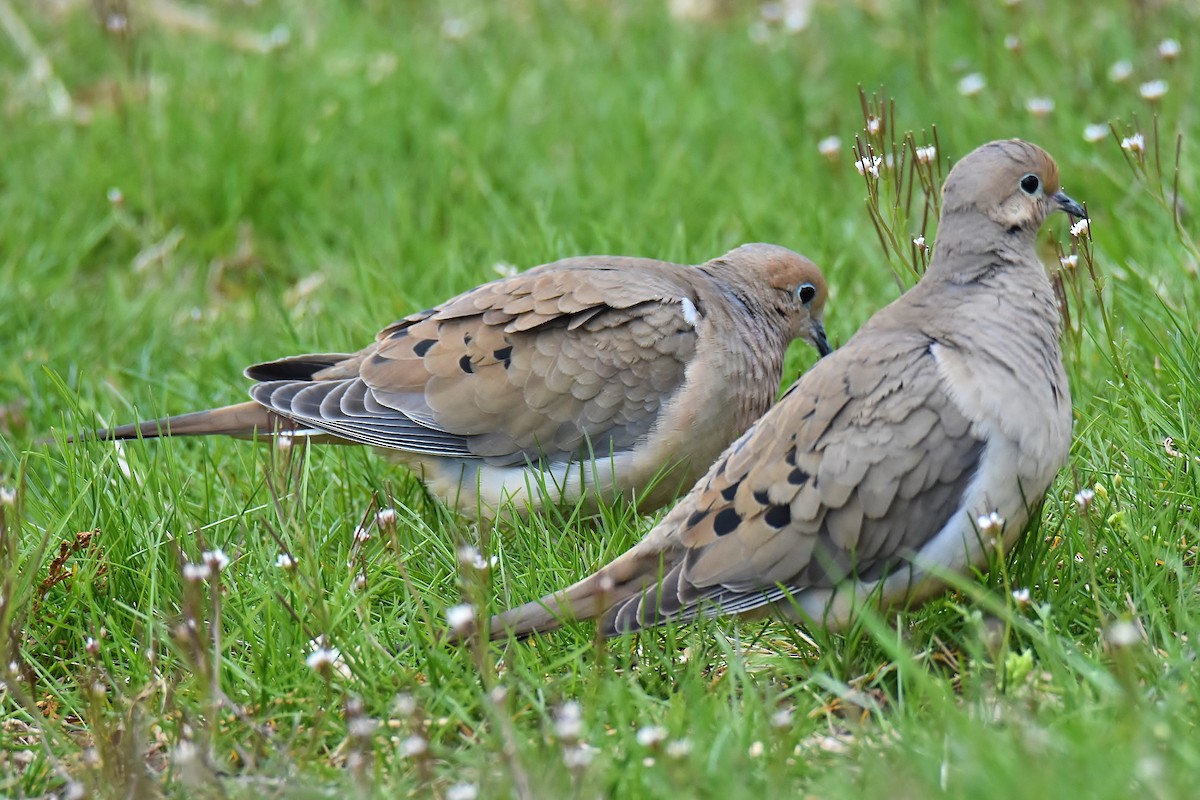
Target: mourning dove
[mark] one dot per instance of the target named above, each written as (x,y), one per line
(516,384)
(869,478)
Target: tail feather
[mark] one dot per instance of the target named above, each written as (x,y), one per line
(244,420)
(594,596)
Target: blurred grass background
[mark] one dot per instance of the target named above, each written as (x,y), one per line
(186,189)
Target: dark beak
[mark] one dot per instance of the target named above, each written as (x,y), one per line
(1068,205)
(819,340)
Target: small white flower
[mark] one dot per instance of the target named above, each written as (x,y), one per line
(1081,228)
(1120,71)
(874,124)
(405,705)
(469,557)
(462,791)
(460,617)
(678,748)
(362,534)
(196,572)
(868,164)
(91,646)
(1122,633)
(360,582)
(756,750)
(1134,144)
(322,658)
(1012,43)
(1084,498)
(971,85)
(385,518)
(115,196)
(215,559)
(1039,106)
(1069,261)
(7,497)
(285,562)
(927,154)
(1168,49)
(920,243)
(284,441)
(651,735)
(1095,132)
(578,757)
(361,727)
(1021,596)
(568,722)
(117,23)
(830,147)
(990,523)
(455,28)
(414,745)
(782,718)
(1153,90)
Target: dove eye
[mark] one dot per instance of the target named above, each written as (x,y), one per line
(806,292)
(1031,184)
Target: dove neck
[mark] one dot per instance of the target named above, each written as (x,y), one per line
(976,249)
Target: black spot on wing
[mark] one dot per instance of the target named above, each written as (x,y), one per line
(729,492)
(464,364)
(798,477)
(726,522)
(778,516)
(422,347)
(696,518)
(503,354)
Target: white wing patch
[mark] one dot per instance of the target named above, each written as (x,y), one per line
(690,315)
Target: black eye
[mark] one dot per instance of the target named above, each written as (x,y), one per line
(1030,184)
(806,292)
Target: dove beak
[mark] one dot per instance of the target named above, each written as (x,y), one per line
(1062,201)
(818,338)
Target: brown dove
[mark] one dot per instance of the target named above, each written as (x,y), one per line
(584,376)
(881,468)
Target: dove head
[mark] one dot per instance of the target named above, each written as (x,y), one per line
(787,283)
(1012,183)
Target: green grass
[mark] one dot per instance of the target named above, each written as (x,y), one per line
(301,199)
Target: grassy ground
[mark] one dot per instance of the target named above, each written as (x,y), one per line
(206,197)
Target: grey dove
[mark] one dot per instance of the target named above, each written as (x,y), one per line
(584,377)
(867,480)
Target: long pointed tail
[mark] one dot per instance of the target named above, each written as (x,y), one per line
(244,420)
(594,596)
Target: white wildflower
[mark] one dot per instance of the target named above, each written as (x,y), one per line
(196,572)
(1021,597)
(1122,633)
(1039,106)
(215,559)
(1153,90)
(868,164)
(460,618)
(285,561)
(1095,132)
(830,147)
(874,124)
(971,85)
(115,196)
(578,757)
(1168,49)
(1120,71)
(405,705)
(1012,43)
(678,748)
(385,518)
(927,154)
(413,746)
(919,242)
(462,791)
(1069,261)
(756,749)
(1081,228)
(470,558)
(1134,144)
(1084,498)
(325,659)
(782,718)
(990,523)
(8,497)
(651,735)
(362,534)
(455,28)
(568,722)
